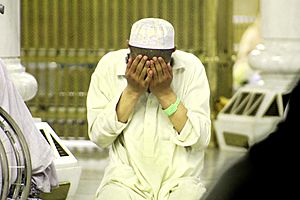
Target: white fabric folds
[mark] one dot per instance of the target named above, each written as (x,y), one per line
(42,157)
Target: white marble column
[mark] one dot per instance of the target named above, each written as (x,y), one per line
(10,49)
(278,57)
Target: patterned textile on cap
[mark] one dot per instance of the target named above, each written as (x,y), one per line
(152,33)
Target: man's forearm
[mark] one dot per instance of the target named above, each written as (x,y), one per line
(179,118)
(126,105)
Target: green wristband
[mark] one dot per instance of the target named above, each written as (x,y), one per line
(172,108)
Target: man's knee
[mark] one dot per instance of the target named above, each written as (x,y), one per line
(113,192)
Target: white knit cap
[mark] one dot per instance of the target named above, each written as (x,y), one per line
(152,33)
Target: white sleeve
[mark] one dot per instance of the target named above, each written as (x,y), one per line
(197,129)
(103,124)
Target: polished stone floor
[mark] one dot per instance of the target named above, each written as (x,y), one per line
(93,162)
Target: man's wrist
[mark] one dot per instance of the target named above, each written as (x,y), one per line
(167,99)
(166,96)
(172,108)
(131,93)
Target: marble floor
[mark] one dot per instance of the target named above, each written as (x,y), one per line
(94,161)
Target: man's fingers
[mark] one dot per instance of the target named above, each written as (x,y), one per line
(144,71)
(153,69)
(158,67)
(164,67)
(149,76)
(141,65)
(169,67)
(135,64)
(129,63)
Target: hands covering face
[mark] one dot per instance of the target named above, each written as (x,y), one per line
(143,74)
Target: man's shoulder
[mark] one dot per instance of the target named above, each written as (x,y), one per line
(184,54)
(186,59)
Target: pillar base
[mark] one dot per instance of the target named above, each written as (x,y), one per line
(24,82)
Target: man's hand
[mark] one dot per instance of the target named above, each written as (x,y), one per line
(160,86)
(162,77)
(138,75)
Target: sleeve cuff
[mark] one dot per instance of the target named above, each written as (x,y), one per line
(193,132)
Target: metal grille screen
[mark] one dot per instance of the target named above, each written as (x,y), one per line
(62,41)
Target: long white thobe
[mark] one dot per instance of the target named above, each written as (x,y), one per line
(148,157)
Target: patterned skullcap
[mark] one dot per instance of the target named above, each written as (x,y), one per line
(152,33)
